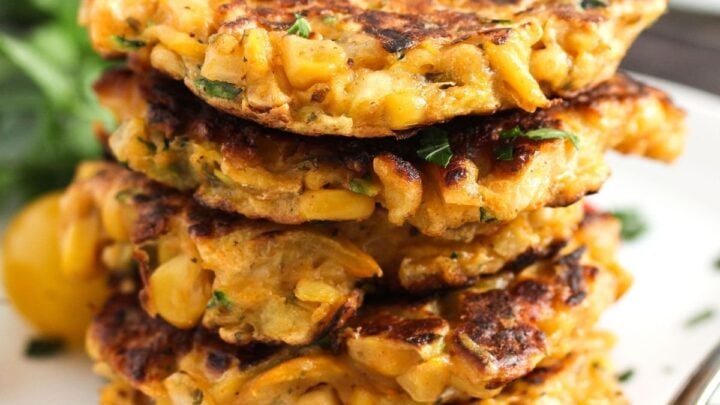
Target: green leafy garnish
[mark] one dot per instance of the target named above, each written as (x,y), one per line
(626,375)
(301,27)
(632,222)
(435,147)
(486,216)
(219,300)
(700,318)
(125,196)
(363,186)
(506,151)
(43,347)
(218,89)
(128,44)
(501,21)
(587,4)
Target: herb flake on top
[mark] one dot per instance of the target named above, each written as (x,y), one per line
(301,27)
(632,222)
(435,147)
(38,347)
(506,151)
(219,300)
(626,375)
(590,4)
(363,186)
(218,89)
(128,44)
(700,317)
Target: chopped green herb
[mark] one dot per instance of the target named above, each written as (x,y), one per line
(301,27)
(717,264)
(128,44)
(700,318)
(218,89)
(435,147)
(197,397)
(148,144)
(219,300)
(633,224)
(486,216)
(501,21)
(504,152)
(44,347)
(626,375)
(363,186)
(454,255)
(587,4)
(330,19)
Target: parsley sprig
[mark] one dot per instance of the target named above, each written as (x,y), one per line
(218,89)
(219,300)
(435,147)
(506,151)
(301,27)
(632,222)
(588,4)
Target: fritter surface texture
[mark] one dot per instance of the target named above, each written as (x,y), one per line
(493,176)
(500,336)
(258,281)
(372,68)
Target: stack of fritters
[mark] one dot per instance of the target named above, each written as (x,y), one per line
(265,250)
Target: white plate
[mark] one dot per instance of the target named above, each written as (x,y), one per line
(672,264)
(707,6)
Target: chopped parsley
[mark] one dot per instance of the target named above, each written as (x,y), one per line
(506,152)
(125,196)
(633,224)
(486,216)
(700,318)
(588,4)
(501,21)
(128,44)
(363,186)
(38,347)
(626,375)
(148,144)
(219,300)
(435,147)
(301,27)
(218,89)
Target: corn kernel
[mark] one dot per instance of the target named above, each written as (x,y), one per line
(315,291)
(323,395)
(180,290)
(79,247)
(167,60)
(335,205)
(426,381)
(178,42)
(404,109)
(307,62)
(385,356)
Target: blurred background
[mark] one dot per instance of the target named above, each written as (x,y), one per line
(47,110)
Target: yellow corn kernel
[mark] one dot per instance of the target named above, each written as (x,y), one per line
(118,256)
(404,109)
(315,291)
(510,60)
(382,355)
(113,214)
(323,395)
(180,290)
(361,396)
(221,60)
(307,62)
(168,61)
(176,41)
(335,205)
(426,381)
(255,45)
(79,243)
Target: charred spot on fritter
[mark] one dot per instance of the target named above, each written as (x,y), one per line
(532,256)
(419,329)
(141,347)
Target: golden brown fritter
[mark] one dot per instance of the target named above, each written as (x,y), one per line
(236,166)
(499,337)
(372,68)
(267,282)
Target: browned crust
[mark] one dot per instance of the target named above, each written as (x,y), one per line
(174,111)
